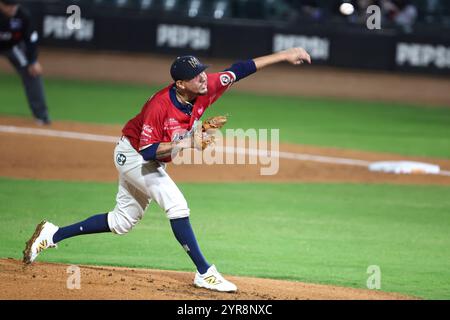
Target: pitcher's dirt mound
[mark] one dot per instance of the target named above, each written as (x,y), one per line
(49,281)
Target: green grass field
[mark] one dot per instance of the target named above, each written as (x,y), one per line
(315,233)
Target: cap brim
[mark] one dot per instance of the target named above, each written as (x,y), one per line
(202,68)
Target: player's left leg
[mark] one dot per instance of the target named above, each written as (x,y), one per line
(152,178)
(165,192)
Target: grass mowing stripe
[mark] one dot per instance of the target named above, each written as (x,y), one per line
(385,127)
(314,233)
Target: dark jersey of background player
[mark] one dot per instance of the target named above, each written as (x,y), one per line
(17,29)
(18,43)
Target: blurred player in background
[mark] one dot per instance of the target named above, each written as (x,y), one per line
(18,42)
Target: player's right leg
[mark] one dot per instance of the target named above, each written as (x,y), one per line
(47,235)
(130,207)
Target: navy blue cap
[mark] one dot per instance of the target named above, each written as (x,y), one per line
(186,68)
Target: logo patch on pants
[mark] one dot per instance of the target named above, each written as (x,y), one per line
(121,159)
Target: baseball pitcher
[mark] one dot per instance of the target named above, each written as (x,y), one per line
(164,127)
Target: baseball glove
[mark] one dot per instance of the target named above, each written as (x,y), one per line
(216,122)
(204,134)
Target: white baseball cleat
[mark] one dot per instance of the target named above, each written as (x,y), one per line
(41,239)
(213,280)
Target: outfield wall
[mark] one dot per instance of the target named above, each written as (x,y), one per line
(359,48)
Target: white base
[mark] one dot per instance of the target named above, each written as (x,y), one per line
(404,167)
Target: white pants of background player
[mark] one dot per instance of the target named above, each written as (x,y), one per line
(140,182)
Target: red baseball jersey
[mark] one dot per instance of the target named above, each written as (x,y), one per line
(161,121)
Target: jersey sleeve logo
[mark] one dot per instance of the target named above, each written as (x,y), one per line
(225,79)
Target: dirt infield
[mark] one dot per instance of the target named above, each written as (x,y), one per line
(54,164)
(49,281)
